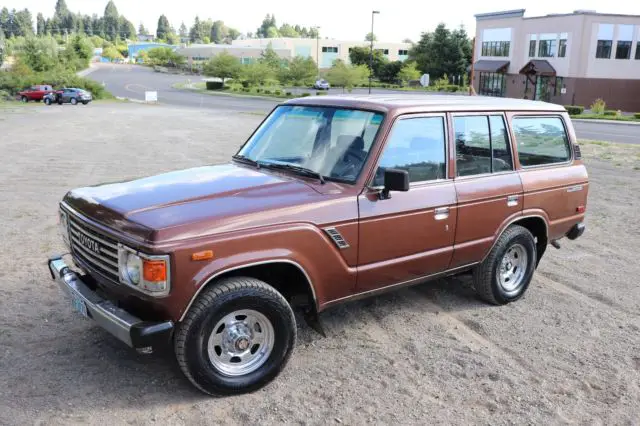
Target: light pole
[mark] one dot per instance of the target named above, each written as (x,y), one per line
(373,13)
(318,50)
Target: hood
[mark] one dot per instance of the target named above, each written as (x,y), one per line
(199,201)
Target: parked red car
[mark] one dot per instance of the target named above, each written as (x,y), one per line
(35,93)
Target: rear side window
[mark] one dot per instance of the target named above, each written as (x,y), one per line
(482,145)
(541,140)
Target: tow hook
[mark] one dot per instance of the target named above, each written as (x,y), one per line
(555,244)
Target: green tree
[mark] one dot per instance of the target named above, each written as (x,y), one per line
(2,45)
(218,32)
(164,27)
(299,72)
(257,73)
(360,55)
(164,56)
(224,66)
(173,38)
(82,47)
(142,30)
(39,54)
(442,52)
(370,36)
(197,32)
(112,53)
(232,34)
(347,76)
(87,23)
(267,23)
(61,9)
(408,73)
(40,25)
(111,21)
(183,32)
(4,21)
(22,23)
(287,30)
(271,58)
(127,29)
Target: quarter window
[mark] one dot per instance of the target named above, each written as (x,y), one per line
(541,140)
(482,145)
(416,145)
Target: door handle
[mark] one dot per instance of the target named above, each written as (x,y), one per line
(512,200)
(441,213)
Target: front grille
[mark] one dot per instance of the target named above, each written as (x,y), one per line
(94,249)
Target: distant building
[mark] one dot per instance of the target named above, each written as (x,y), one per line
(325,51)
(571,58)
(199,53)
(146,37)
(136,48)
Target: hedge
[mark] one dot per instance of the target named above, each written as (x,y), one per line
(13,83)
(636,115)
(610,112)
(574,109)
(215,85)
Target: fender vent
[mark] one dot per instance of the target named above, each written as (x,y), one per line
(576,151)
(337,238)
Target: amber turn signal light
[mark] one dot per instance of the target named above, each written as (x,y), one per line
(202,255)
(154,270)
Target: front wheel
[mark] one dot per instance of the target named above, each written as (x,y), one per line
(24,99)
(236,338)
(47,101)
(74,101)
(505,274)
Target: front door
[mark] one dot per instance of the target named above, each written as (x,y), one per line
(489,190)
(410,235)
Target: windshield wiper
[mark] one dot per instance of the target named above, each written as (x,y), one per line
(246,160)
(294,168)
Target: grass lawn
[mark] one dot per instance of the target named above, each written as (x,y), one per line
(607,117)
(621,155)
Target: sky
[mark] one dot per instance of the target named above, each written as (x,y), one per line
(338,19)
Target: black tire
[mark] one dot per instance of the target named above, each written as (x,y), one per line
(229,295)
(47,101)
(485,278)
(24,99)
(60,102)
(74,101)
(85,103)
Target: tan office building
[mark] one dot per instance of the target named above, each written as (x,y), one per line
(562,58)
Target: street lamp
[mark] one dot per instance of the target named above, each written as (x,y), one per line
(373,13)
(318,50)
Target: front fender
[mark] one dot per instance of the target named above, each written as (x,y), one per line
(302,244)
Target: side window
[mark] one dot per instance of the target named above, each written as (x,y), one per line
(416,145)
(482,145)
(541,140)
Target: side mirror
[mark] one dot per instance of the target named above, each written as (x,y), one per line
(394,180)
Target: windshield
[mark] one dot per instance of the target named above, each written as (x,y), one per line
(332,142)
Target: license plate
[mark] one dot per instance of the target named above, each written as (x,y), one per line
(78,305)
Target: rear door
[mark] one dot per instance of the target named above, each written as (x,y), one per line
(488,187)
(411,234)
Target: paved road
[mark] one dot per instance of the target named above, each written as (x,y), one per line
(132,81)
(611,132)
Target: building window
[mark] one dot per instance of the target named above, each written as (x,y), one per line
(403,52)
(384,51)
(603,50)
(559,85)
(329,49)
(495,48)
(533,39)
(605,41)
(547,46)
(623,50)
(541,140)
(562,46)
(492,84)
(638,51)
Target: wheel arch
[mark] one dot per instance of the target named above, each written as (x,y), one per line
(536,223)
(287,276)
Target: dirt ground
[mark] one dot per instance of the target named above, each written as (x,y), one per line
(568,352)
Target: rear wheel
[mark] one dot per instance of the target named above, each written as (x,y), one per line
(24,99)
(236,338)
(505,274)
(47,101)
(74,101)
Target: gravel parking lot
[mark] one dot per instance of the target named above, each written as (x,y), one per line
(568,352)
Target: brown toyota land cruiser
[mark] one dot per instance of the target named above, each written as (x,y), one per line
(331,199)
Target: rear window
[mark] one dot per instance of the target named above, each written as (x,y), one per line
(541,140)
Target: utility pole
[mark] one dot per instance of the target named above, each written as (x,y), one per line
(373,13)
(318,50)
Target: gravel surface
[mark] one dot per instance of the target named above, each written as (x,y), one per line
(568,352)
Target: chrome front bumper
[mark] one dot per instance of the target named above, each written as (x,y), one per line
(133,331)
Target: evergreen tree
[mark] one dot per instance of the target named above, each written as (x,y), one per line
(41,25)
(111,21)
(164,27)
(218,32)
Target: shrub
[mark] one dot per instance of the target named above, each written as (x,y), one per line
(215,85)
(305,94)
(246,89)
(289,94)
(574,109)
(610,113)
(321,93)
(598,106)
(452,88)
(636,115)
(245,83)
(258,90)
(278,92)
(267,92)
(12,82)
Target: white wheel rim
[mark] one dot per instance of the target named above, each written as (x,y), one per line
(512,268)
(241,342)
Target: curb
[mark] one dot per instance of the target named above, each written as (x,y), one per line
(603,121)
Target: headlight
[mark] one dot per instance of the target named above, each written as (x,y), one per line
(149,274)
(63,227)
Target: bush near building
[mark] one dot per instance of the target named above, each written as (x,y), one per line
(574,109)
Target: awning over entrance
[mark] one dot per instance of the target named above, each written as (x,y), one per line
(538,67)
(485,65)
